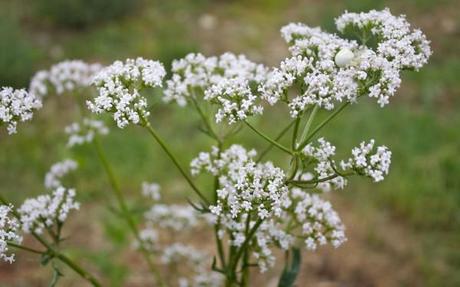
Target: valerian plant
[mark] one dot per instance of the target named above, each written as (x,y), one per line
(255,207)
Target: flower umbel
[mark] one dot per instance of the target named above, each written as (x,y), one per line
(9,228)
(16,106)
(119,87)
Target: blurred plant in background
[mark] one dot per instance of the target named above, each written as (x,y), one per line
(84,13)
(18,56)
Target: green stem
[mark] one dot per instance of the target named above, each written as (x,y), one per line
(206,121)
(270,146)
(243,247)
(245,266)
(25,248)
(125,210)
(163,145)
(273,142)
(321,125)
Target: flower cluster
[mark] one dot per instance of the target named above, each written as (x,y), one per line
(322,154)
(180,254)
(317,222)
(48,210)
(174,216)
(235,100)
(9,228)
(63,77)
(189,264)
(368,161)
(329,69)
(119,89)
(151,190)
(57,171)
(226,81)
(254,196)
(84,132)
(244,186)
(398,43)
(16,106)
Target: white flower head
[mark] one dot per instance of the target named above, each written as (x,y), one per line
(46,211)
(58,171)
(227,81)
(66,76)
(322,152)
(84,131)
(404,47)
(16,106)
(151,190)
(119,88)
(369,161)
(9,232)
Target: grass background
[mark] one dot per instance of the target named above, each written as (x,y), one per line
(406,229)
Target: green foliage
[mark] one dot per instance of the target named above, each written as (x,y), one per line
(84,13)
(17,55)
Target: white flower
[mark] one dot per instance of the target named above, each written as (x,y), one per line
(119,89)
(197,263)
(9,228)
(151,190)
(16,106)
(57,171)
(368,161)
(46,211)
(149,238)
(342,70)
(174,216)
(234,99)
(397,42)
(65,76)
(226,81)
(324,166)
(83,132)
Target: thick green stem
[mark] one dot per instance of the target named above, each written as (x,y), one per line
(273,142)
(125,211)
(321,125)
(163,145)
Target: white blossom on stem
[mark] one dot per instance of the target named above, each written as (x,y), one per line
(66,76)
(16,106)
(84,131)
(46,211)
(119,88)
(9,232)
(368,161)
(58,171)
(322,153)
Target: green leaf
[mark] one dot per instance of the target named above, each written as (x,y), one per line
(290,272)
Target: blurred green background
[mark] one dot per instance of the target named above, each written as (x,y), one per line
(402,232)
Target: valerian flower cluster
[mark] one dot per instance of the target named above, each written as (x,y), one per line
(119,89)
(253,206)
(16,106)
